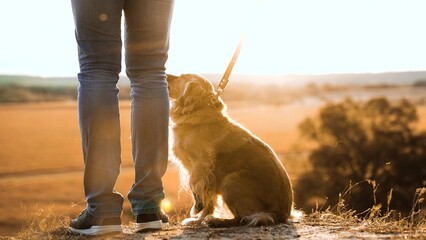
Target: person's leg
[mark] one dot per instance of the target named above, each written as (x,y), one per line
(98,35)
(147,42)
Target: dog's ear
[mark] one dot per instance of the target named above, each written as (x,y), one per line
(171,77)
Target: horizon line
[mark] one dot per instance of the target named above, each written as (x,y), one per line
(244,74)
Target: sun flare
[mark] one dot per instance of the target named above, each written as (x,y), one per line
(166,205)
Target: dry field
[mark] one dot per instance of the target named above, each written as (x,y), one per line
(41,164)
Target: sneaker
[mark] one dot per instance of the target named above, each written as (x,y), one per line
(164,218)
(87,224)
(148,222)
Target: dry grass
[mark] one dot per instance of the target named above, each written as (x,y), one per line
(320,224)
(375,222)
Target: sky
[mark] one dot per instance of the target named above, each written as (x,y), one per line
(282,37)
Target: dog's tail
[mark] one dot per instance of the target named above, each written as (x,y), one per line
(259,219)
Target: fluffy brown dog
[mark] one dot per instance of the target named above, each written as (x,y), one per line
(223,158)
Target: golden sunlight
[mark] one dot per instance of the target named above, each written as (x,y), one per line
(301,36)
(166,205)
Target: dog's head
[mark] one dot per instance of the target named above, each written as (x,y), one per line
(191,92)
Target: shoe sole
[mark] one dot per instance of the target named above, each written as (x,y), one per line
(147,226)
(164,225)
(97,230)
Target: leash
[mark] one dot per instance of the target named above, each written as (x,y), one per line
(225,78)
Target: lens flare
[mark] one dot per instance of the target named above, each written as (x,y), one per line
(166,205)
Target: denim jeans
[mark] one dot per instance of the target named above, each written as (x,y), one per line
(98,35)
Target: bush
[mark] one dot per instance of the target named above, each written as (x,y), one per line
(420,83)
(20,94)
(372,142)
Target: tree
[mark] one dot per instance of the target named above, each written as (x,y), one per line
(371,142)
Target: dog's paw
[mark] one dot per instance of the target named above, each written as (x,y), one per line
(191,222)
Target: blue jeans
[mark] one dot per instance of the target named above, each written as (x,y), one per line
(98,35)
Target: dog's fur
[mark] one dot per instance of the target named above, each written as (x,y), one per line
(223,158)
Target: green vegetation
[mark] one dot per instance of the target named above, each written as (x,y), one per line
(21,89)
(20,94)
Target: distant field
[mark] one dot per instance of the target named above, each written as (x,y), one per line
(41,164)
(44,137)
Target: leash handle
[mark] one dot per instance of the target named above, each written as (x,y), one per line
(225,78)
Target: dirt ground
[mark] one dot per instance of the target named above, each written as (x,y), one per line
(297,230)
(282,231)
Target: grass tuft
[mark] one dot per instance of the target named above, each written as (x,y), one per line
(374,221)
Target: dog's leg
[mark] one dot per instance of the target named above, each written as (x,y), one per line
(202,187)
(197,207)
(208,210)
